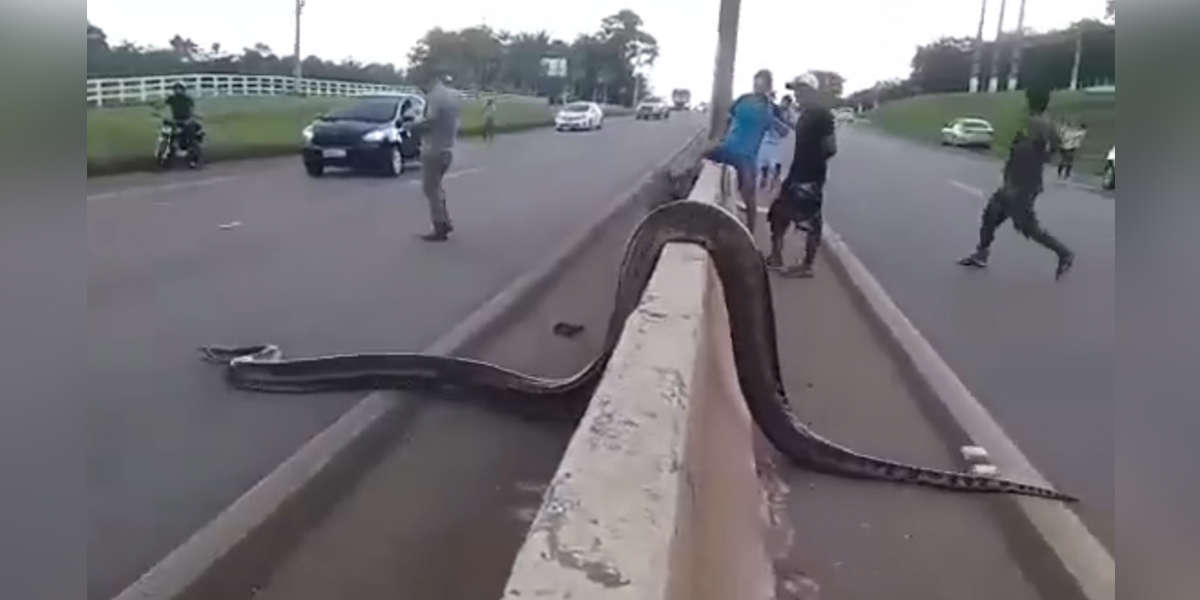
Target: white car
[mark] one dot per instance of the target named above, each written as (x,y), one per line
(1109,179)
(653,108)
(968,131)
(579,115)
(843,115)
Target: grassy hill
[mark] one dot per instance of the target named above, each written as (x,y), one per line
(922,117)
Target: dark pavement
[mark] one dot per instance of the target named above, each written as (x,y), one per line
(1037,353)
(257,251)
(409,526)
(853,538)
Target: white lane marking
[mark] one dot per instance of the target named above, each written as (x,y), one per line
(230,225)
(970,189)
(145,189)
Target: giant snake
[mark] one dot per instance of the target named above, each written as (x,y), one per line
(744,279)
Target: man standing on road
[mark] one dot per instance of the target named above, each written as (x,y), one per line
(489,119)
(749,118)
(437,129)
(802,193)
(1072,140)
(1031,149)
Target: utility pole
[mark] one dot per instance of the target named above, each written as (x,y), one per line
(1014,70)
(296,72)
(722,86)
(1078,55)
(977,56)
(994,77)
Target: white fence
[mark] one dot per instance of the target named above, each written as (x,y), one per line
(127,90)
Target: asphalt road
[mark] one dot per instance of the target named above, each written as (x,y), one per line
(1037,353)
(258,252)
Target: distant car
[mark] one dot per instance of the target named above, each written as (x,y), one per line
(653,108)
(843,114)
(579,115)
(372,133)
(1109,179)
(968,131)
(702,107)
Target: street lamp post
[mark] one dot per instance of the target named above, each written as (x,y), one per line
(977,56)
(296,72)
(994,77)
(722,87)
(1014,70)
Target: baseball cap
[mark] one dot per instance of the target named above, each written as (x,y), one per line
(804,79)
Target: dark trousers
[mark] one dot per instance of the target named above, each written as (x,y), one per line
(1066,162)
(433,167)
(799,204)
(1012,203)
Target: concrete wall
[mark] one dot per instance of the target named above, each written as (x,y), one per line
(657,495)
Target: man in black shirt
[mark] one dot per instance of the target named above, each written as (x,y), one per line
(182,112)
(801,195)
(181,103)
(1031,149)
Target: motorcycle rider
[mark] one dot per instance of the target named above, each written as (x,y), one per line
(182,113)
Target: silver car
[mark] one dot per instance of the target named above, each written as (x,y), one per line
(968,131)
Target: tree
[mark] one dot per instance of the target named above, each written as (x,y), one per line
(185,48)
(830,81)
(96,39)
(943,65)
(601,65)
(623,31)
(521,66)
(472,56)
(1110,10)
(627,47)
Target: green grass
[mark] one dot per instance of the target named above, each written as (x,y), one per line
(123,138)
(922,117)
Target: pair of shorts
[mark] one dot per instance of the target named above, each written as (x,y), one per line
(797,203)
(744,165)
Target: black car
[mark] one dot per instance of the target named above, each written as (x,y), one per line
(372,133)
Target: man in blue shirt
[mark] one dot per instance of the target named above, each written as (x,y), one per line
(749,118)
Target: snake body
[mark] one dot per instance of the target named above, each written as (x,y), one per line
(746,286)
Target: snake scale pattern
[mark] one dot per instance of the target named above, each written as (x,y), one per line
(747,292)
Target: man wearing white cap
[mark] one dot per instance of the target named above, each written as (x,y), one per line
(801,195)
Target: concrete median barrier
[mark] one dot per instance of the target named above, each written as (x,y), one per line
(657,494)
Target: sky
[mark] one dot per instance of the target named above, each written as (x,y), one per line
(864,40)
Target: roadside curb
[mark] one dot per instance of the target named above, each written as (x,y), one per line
(226,558)
(1052,545)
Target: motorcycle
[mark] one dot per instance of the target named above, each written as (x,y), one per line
(174,141)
